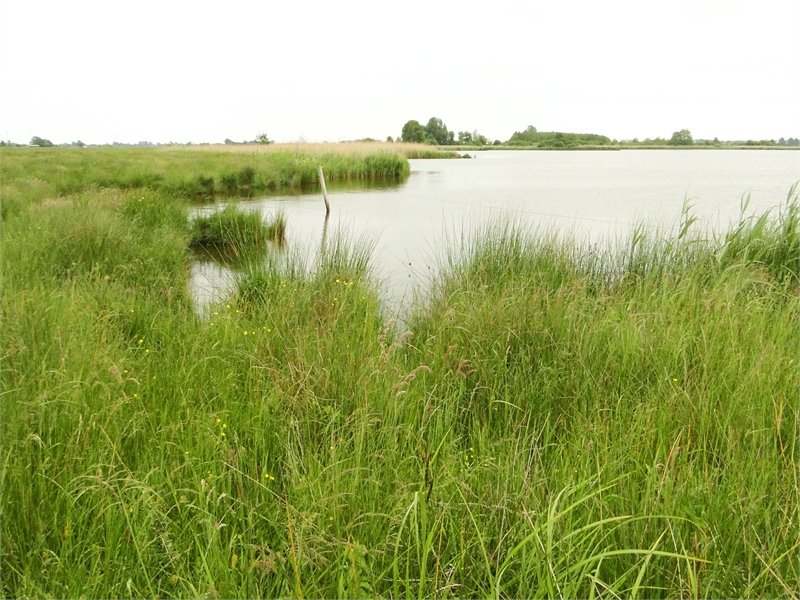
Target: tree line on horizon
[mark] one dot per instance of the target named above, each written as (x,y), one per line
(436,133)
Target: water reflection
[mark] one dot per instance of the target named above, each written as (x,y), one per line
(215,272)
(211,283)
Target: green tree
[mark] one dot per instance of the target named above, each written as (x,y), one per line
(681,138)
(413,131)
(437,130)
(37,141)
(529,136)
(473,138)
(262,138)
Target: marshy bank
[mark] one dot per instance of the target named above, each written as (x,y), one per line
(552,421)
(57,172)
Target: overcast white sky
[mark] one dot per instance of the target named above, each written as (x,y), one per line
(203,71)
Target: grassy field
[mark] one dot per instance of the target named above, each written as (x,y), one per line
(550,422)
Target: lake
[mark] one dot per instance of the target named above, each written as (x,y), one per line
(593,195)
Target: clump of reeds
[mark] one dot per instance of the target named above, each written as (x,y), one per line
(770,240)
(235,230)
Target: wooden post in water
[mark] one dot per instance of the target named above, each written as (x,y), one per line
(324,190)
(324,235)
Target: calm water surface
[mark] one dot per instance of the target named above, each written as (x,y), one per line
(593,195)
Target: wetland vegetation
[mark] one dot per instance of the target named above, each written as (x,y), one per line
(551,421)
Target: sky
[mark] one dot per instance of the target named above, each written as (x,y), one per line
(203,71)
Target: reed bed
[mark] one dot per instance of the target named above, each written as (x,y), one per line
(550,422)
(409,150)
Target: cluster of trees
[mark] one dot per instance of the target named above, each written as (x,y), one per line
(37,141)
(435,132)
(555,139)
(681,138)
(473,138)
(40,142)
(759,143)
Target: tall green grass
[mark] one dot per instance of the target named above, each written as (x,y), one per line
(550,422)
(770,240)
(188,173)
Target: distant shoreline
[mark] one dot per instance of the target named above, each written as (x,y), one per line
(615,148)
